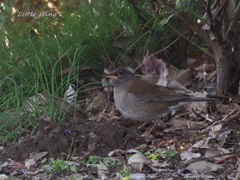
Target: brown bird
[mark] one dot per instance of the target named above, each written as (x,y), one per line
(138,99)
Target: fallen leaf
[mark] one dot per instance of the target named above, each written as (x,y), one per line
(164,142)
(3,177)
(198,107)
(137,176)
(29,163)
(137,161)
(98,103)
(217,128)
(70,95)
(92,142)
(39,155)
(99,116)
(187,155)
(18,165)
(238,172)
(198,176)
(202,144)
(204,166)
(179,122)
(211,153)
(153,65)
(222,137)
(223,150)
(33,103)
(179,79)
(60,105)
(201,64)
(227,108)
(102,171)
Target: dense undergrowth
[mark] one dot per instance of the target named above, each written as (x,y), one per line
(34,53)
(47,53)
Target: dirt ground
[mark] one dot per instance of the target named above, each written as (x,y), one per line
(83,137)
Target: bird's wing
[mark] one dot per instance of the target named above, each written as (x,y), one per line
(151,93)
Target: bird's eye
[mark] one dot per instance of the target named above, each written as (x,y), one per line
(119,73)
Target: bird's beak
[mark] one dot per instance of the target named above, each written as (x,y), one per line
(111,76)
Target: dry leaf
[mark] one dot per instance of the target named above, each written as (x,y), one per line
(227,108)
(179,122)
(39,155)
(198,107)
(3,177)
(210,153)
(179,79)
(204,166)
(153,65)
(222,137)
(70,95)
(202,144)
(29,163)
(238,172)
(187,155)
(201,64)
(137,161)
(217,127)
(61,105)
(98,103)
(98,117)
(137,176)
(102,171)
(33,103)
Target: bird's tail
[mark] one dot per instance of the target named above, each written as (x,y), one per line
(200,99)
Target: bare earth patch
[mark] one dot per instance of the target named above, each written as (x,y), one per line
(68,137)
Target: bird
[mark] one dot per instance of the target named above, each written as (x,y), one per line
(136,98)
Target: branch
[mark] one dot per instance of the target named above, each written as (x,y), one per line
(220,9)
(234,20)
(224,26)
(215,4)
(223,22)
(208,9)
(204,35)
(186,38)
(190,23)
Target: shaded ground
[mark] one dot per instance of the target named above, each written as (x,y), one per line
(183,149)
(104,136)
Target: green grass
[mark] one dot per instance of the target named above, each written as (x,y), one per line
(35,54)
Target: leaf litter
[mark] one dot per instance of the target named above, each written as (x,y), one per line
(95,141)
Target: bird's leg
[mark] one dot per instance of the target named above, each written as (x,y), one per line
(143,125)
(159,124)
(154,126)
(151,128)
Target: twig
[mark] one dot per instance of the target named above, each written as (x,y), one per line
(220,121)
(226,157)
(203,116)
(234,116)
(235,20)
(161,50)
(182,35)
(166,47)
(220,155)
(215,4)
(229,115)
(208,9)
(220,9)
